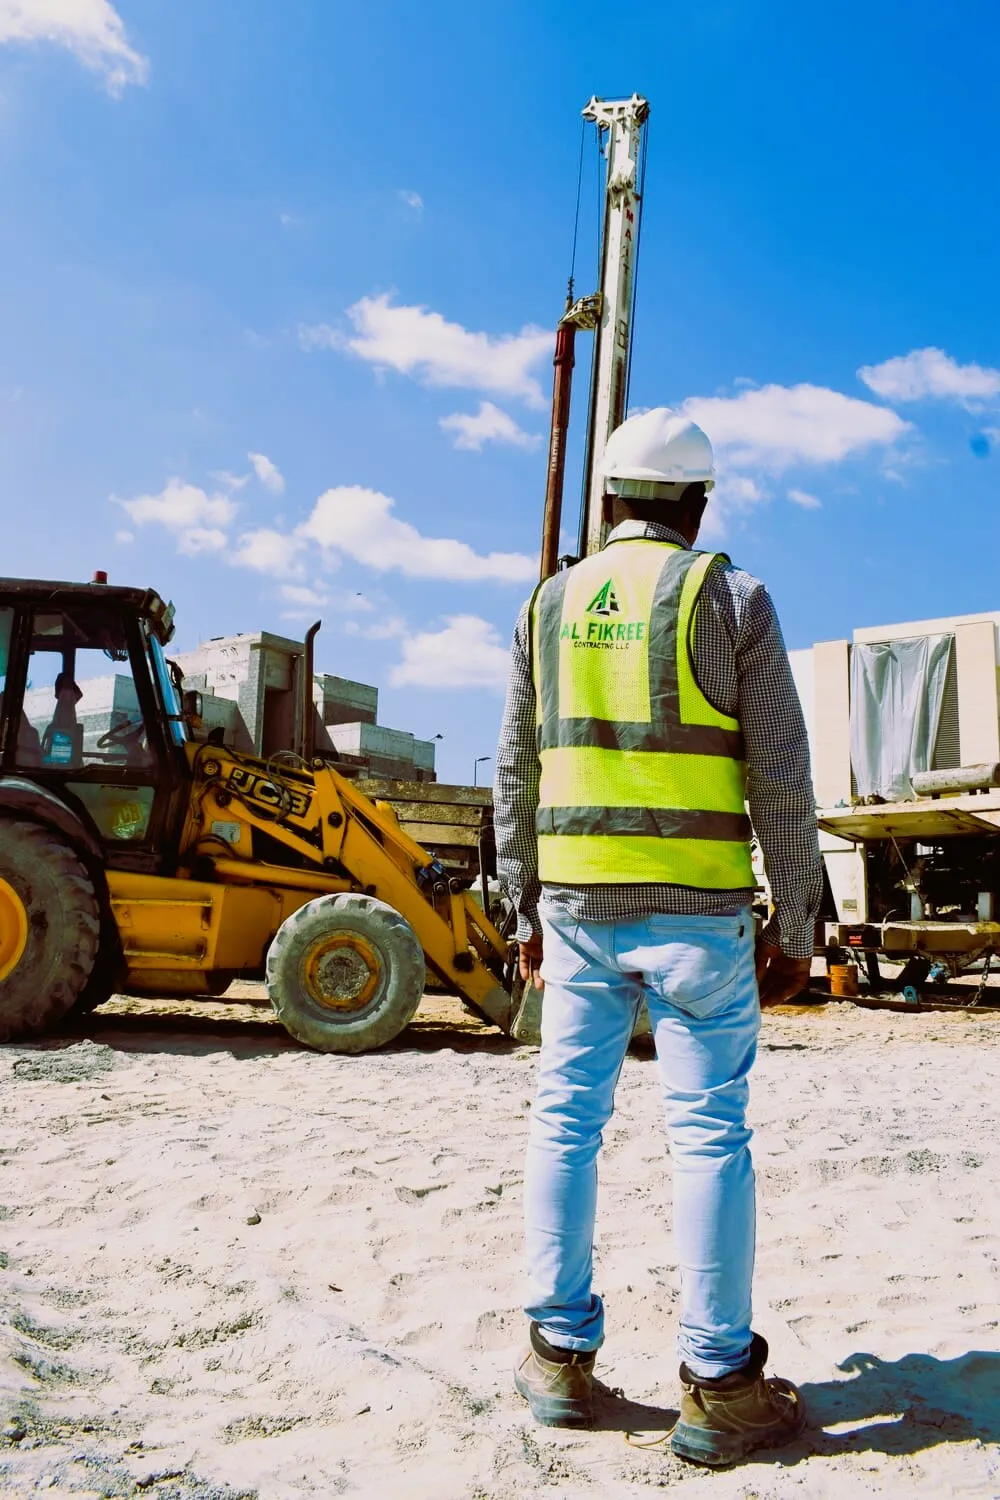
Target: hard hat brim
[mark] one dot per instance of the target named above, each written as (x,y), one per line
(618,484)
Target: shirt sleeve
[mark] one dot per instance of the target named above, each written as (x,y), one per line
(517,777)
(779,777)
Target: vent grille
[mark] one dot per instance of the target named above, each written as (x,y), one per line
(948,749)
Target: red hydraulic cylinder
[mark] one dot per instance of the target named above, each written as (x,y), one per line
(562,383)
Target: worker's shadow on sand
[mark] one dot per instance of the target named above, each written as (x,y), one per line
(905,1405)
(614,1412)
(896,1407)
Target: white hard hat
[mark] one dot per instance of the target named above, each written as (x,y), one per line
(650,455)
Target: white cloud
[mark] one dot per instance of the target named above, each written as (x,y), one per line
(346,602)
(776,427)
(231,482)
(763,431)
(488,425)
(349,521)
(124,538)
(360,523)
(311,598)
(423,344)
(733,493)
(739,490)
(411,199)
(91,29)
(930,373)
(195,517)
(468,652)
(389,629)
(268,551)
(268,473)
(199,539)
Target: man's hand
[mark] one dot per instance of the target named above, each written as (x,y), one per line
(779,978)
(529,961)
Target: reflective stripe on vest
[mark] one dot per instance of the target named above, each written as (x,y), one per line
(643,780)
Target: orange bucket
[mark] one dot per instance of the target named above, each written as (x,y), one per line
(844,981)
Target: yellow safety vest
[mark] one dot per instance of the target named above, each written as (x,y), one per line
(642,778)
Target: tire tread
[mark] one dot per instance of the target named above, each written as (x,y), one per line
(26,1013)
(386,1023)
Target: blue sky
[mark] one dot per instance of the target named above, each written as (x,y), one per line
(277,279)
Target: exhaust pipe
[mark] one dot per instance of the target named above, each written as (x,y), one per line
(307,708)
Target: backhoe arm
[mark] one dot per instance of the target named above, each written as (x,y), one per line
(248,817)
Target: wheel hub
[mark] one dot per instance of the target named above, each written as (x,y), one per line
(13,929)
(343,972)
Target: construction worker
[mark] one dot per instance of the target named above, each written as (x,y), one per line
(651,701)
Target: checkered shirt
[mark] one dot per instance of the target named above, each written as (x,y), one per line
(742,666)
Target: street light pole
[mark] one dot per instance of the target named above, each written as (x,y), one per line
(475,769)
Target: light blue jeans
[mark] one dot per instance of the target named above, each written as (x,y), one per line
(696,975)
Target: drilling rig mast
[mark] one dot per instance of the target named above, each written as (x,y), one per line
(608,312)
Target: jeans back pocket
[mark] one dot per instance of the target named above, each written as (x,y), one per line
(695,962)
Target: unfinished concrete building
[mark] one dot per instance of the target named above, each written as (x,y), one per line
(249,686)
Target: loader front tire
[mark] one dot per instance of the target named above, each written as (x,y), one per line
(50,929)
(345,973)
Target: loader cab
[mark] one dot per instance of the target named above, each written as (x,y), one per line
(90,714)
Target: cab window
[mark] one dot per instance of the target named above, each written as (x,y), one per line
(26,739)
(168,693)
(6,630)
(81,708)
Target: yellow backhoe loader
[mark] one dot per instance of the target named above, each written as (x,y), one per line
(133,857)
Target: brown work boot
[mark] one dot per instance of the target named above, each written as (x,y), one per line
(723,1420)
(558,1384)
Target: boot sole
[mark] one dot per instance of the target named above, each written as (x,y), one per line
(720,1450)
(554,1411)
(716,1452)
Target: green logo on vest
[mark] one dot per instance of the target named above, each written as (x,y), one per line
(605,601)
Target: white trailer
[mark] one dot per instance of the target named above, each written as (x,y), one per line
(904,729)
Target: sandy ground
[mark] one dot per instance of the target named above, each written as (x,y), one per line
(231,1267)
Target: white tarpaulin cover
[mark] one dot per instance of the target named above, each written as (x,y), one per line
(896,693)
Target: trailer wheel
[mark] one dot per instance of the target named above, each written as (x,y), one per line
(345,973)
(49,928)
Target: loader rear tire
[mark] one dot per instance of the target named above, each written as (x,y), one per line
(345,973)
(51,929)
(108,973)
